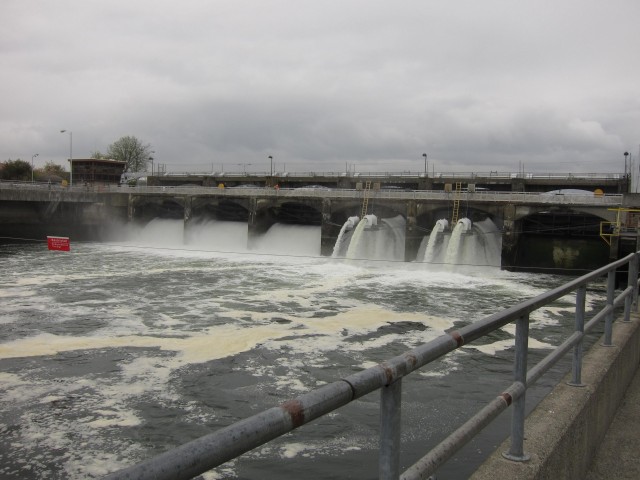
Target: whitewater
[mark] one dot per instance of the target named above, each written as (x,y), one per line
(114,352)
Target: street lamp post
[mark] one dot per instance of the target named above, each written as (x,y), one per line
(151,159)
(626,154)
(425,163)
(244,166)
(70,157)
(271,159)
(32,157)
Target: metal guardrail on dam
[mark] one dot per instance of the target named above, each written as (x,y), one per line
(207,452)
(505,197)
(332,193)
(494,174)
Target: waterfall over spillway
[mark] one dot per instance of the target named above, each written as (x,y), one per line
(486,247)
(372,239)
(474,244)
(225,237)
(456,242)
(436,234)
(354,250)
(392,238)
(348,226)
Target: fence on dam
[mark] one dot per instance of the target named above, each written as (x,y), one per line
(207,452)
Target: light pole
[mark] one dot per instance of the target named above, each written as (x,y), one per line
(70,157)
(271,158)
(32,157)
(151,160)
(425,163)
(244,166)
(626,154)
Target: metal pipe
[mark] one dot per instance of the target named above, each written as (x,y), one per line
(576,366)
(450,445)
(390,413)
(608,323)
(622,297)
(516,451)
(597,318)
(629,300)
(636,268)
(388,372)
(550,360)
(209,451)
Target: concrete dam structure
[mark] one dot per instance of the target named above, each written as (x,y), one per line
(541,231)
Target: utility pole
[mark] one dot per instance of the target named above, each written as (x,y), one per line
(32,157)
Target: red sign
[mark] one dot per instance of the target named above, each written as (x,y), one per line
(58,243)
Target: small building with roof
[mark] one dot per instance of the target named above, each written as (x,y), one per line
(97,171)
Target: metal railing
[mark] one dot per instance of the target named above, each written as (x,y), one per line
(209,451)
(261,176)
(403,174)
(335,193)
(486,196)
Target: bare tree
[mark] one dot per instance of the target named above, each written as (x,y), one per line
(132,151)
(97,155)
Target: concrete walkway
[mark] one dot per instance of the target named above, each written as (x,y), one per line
(619,454)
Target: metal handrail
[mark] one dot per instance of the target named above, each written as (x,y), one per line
(214,449)
(484,196)
(402,174)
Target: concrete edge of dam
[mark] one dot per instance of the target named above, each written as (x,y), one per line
(564,431)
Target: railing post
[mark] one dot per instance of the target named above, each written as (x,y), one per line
(608,322)
(516,451)
(576,378)
(390,401)
(636,269)
(631,279)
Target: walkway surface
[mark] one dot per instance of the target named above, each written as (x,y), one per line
(619,454)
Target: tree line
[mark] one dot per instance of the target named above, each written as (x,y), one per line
(129,149)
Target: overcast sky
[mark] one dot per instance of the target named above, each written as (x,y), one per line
(539,85)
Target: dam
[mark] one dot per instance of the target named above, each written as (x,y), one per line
(117,352)
(540,230)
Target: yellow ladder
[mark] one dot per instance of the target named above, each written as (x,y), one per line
(456,205)
(365,198)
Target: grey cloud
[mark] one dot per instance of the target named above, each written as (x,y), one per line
(477,85)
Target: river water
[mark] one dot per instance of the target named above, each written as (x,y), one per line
(114,352)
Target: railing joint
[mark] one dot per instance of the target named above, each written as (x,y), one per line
(573,384)
(525,457)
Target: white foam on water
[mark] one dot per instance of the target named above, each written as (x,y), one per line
(502,345)
(322,307)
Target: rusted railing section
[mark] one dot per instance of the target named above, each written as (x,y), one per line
(209,451)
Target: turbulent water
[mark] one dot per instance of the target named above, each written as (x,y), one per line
(112,353)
